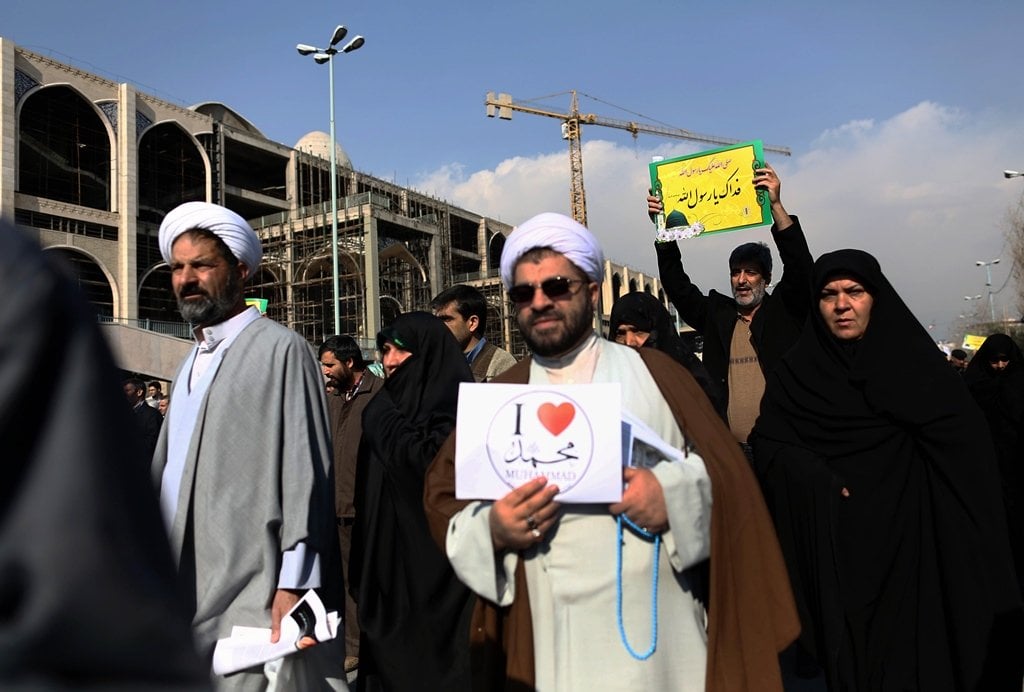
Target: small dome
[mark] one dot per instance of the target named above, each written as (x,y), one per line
(319,144)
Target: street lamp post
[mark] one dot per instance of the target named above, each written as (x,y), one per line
(321,56)
(988,282)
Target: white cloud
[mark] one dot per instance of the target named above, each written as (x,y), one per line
(922,190)
(853,130)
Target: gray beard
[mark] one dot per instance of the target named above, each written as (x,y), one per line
(756,297)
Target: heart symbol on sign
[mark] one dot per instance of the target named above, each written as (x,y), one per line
(556,418)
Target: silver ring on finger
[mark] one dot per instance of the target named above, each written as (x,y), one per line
(531,523)
(536,534)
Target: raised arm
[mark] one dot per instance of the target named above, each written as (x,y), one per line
(768,180)
(794,287)
(689,300)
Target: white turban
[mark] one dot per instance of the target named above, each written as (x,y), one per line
(235,231)
(558,232)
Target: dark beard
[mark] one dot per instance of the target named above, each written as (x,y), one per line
(211,309)
(577,326)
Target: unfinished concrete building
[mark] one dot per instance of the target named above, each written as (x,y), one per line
(90,167)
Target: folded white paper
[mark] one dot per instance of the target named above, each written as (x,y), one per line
(642,447)
(250,646)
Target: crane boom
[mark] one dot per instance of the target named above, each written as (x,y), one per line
(502,105)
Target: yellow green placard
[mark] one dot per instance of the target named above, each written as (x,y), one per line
(972,342)
(260,303)
(714,188)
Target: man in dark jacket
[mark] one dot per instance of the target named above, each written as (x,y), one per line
(350,386)
(745,335)
(147,419)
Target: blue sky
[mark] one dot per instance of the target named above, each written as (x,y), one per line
(901,116)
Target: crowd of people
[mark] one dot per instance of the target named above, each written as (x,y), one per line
(846,508)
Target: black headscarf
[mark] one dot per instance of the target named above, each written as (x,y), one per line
(411,604)
(646,313)
(980,368)
(906,583)
(1000,394)
(426,386)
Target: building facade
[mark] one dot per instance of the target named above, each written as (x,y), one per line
(91,166)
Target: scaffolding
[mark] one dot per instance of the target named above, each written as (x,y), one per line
(418,246)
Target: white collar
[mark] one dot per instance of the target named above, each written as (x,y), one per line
(216,334)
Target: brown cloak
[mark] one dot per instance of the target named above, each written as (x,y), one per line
(751,614)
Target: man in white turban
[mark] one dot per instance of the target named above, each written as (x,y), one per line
(244,457)
(554,612)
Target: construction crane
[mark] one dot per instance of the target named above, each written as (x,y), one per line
(503,105)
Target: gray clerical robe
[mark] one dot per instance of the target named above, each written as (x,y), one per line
(256,480)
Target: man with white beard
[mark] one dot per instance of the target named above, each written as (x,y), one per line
(746,335)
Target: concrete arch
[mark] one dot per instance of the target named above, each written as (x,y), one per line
(85,99)
(199,148)
(320,259)
(265,268)
(390,309)
(145,275)
(31,98)
(400,252)
(495,246)
(155,299)
(227,115)
(111,283)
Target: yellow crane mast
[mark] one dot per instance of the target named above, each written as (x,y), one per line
(502,105)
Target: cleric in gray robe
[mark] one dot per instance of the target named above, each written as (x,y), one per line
(244,460)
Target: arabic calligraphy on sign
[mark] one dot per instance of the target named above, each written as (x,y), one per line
(713,188)
(540,433)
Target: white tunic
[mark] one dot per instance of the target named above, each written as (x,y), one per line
(571,576)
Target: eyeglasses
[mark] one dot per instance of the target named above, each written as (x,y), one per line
(555,287)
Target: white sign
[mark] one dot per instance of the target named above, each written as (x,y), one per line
(508,434)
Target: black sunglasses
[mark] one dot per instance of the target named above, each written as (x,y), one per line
(555,287)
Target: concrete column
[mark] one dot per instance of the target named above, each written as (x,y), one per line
(288,230)
(434,274)
(127,203)
(483,245)
(371,272)
(8,129)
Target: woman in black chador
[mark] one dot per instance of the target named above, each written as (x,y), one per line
(413,611)
(639,320)
(995,377)
(883,484)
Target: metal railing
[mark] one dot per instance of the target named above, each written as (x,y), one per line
(180,330)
